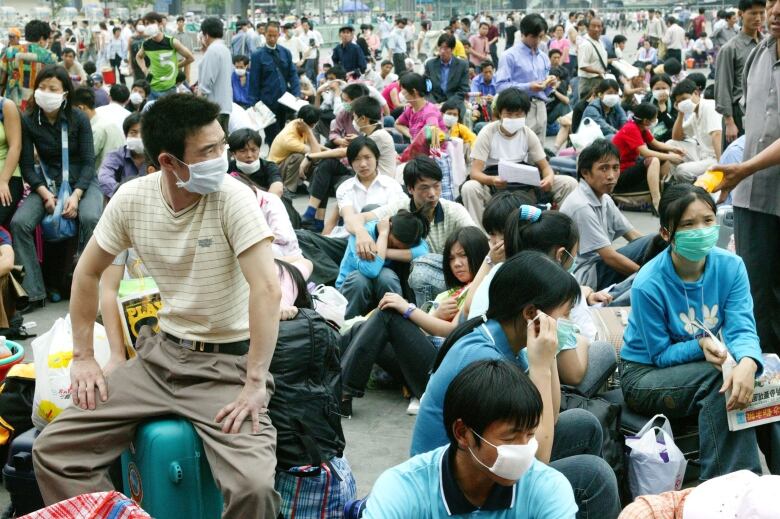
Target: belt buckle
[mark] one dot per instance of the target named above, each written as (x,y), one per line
(199,346)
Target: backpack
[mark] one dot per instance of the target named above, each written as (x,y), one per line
(304,408)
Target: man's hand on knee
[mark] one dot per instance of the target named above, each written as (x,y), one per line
(86,378)
(251,402)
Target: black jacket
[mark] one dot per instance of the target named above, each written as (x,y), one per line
(457,82)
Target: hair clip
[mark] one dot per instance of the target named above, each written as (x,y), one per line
(529,213)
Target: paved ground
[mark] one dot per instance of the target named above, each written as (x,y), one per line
(379,433)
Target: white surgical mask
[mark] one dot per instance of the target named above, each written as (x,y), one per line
(140,28)
(402,98)
(450,120)
(513,460)
(513,125)
(136,98)
(687,106)
(135,144)
(610,100)
(660,94)
(205,177)
(248,167)
(48,101)
(241,72)
(151,30)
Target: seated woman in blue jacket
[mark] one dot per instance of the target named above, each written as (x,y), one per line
(364,282)
(670,363)
(605,110)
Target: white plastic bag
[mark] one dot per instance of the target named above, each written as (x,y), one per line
(53,352)
(586,134)
(330,304)
(655,463)
(458,172)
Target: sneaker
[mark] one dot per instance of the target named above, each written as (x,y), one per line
(414,406)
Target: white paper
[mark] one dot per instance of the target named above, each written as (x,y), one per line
(519,173)
(292,102)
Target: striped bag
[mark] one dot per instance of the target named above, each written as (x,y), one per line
(306,495)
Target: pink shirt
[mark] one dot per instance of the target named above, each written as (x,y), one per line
(563,46)
(415,121)
(386,93)
(481,45)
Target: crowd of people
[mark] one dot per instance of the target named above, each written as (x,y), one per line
(481,174)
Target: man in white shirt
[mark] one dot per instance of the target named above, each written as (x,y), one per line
(292,43)
(697,130)
(311,41)
(674,39)
(655,27)
(115,111)
(592,60)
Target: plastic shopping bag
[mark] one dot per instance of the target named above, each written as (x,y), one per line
(330,304)
(53,353)
(655,463)
(586,134)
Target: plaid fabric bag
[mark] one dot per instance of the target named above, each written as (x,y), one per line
(306,496)
(100,505)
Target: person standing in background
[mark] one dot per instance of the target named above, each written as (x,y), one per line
(396,45)
(480,46)
(674,39)
(215,70)
(163,53)
(312,41)
(592,59)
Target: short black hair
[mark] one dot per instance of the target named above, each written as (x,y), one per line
(686,86)
(35,30)
(355,90)
(191,113)
(474,397)
(598,150)
(212,27)
(116,29)
(744,5)
(618,39)
(486,63)
(554,51)
(180,19)
(89,67)
(152,17)
(119,93)
(532,25)
(144,84)
(448,40)
(338,71)
(453,104)
(358,144)
(499,207)
(240,138)
(130,121)
(645,112)
(512,99)
(346,28)
(386,62)
(475,245)
(310,114)
(672,66)
(699,79)
(83,96)
(409,228)
(367,106)
(240,57)
(606,84)
(660,78)
(419,168)
(68,50)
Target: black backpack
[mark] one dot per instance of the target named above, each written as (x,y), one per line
(305,406)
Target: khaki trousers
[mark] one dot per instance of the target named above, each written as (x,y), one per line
(72,454)
(475,195)
(290,171)
(536,118)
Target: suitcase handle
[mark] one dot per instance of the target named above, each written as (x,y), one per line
(175,472)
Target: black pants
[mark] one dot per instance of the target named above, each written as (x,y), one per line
(736,112)
(398,345)
(16,187)
(327,177)
(116,63)
(399,62)
(758,243)
(271,131)
(674,53)
(223,122)
(325,253)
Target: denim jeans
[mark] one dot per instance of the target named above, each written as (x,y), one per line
(363,294)
(690,389)
(635,251)
(396,344)
(576,454)
(30,214)
(155,95)
(602,361)
(427,278)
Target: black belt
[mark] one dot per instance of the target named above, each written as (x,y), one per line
(229,348)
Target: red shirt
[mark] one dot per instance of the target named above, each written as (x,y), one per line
(628,139)
(698,25)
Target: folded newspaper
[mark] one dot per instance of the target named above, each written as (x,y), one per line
(765,407)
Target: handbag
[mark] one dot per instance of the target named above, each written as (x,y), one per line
(54,226)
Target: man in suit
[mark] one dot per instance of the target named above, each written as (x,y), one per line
(273,74)
(449,75)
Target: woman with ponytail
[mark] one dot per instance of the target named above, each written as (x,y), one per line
(672,360)
(401,337)
(419,111)
(530,293)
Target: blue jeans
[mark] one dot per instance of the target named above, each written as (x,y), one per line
(602,361)
(154,95)
(635,251)
(576,454)
(426,278)
(363,294)
(29,215)
(690,389)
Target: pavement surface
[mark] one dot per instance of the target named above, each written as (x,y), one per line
(379,433)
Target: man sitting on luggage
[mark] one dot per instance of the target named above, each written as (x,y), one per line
(600,222)
(202,237)
(489,468)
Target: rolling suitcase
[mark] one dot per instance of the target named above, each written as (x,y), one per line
(19,477)
(166,472)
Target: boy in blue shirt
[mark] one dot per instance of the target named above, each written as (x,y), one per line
(489,468)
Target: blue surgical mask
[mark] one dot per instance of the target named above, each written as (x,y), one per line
(695,244)
(573,265)
(567,334)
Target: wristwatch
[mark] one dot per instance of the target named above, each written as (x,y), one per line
(408,312)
